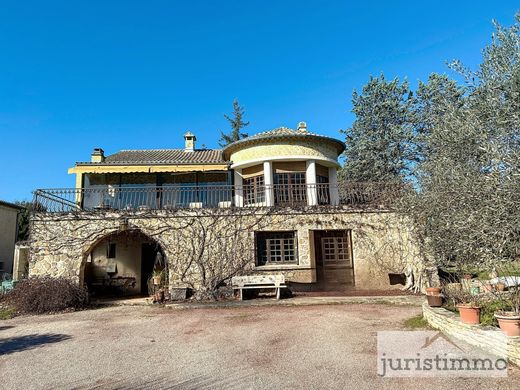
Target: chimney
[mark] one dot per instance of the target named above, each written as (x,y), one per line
(189,141)
(98,155)
(302,126)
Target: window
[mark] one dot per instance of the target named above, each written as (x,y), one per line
(111,251)
(254,190)
(336,250)
(276,247)
(290,187)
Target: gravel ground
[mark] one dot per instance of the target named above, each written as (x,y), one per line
(306,347)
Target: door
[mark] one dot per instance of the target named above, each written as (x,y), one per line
(334,262)
(148,254)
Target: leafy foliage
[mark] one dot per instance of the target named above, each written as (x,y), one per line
(24,218)
(379,143)
(468,206)
(236,120)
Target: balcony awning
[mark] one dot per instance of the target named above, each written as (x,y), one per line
(112,168)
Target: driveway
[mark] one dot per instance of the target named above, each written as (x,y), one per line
(310,347)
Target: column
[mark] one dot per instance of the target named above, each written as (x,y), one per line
(239,190)
(310,180)
(268,181)
(79,190)
(333,186)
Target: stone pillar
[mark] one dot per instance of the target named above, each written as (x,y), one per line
(239,190)
(268,180)
(310,180)
(21,262)
(333,186)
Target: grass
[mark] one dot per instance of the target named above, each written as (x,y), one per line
(6,313)
(417,322)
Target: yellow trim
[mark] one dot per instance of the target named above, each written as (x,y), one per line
(81,169)
(79,184)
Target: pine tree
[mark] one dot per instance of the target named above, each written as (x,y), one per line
(379,143)
(237,124)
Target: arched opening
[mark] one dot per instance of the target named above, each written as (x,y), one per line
(125,263)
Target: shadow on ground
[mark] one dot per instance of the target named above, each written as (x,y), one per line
(23,343)
(6,327)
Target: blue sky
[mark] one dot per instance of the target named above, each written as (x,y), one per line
(137,74)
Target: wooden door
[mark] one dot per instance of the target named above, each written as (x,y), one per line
(334,260)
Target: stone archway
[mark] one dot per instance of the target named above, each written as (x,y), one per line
(122,263)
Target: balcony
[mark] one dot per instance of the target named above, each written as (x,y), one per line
(65,200)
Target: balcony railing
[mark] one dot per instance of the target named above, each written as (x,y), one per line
(63,200)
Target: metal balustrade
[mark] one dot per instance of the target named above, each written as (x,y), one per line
(64,200)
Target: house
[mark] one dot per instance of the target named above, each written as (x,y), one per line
(8,235)
(269,203)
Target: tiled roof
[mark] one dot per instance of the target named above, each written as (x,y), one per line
(283,132)
(164,156)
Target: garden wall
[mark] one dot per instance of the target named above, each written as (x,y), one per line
(486,337)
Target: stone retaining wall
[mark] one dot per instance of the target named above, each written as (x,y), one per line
(486,337)
(382,243)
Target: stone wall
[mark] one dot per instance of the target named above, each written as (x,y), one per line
(203,245)
(488,338)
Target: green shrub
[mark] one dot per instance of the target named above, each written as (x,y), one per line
(487,311)
(6,313)
(39,295)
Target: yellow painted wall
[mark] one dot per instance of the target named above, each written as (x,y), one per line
(8,223)
(282,148)
(128,260)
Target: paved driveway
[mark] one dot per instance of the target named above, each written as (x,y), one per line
(313,347)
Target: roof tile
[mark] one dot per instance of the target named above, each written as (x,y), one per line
(166,156)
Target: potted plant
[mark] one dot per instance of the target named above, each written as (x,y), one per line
(434,296)
(469,312)
(157,277)
(509,320)
(466,303)
(433,290)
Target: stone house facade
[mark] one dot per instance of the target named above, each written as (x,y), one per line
(269,203)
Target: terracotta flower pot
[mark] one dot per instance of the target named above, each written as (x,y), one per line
(434,300)
(469,315)
(159,296)
(509,323)
(500,286)
(433,291)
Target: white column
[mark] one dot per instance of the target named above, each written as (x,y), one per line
(268,181)
(239,191)
(333,186)
(310,180)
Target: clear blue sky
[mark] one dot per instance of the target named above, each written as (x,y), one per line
(137,74)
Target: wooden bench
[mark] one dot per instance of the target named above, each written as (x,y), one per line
(241,283)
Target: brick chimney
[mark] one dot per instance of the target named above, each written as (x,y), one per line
(98,155)
(189,141)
